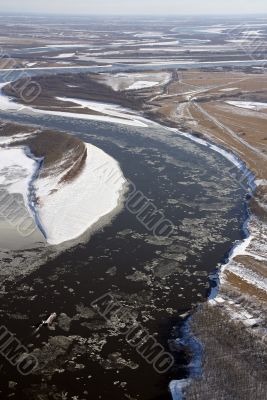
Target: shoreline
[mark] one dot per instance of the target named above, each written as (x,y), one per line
(31,190)
(217,278)
(177,387)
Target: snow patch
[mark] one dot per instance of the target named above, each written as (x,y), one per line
(133,81)
(142,84)
(65,55)
(229,89)
(240,249)
(15,138)
(177,387)
(261,182)
(251,105)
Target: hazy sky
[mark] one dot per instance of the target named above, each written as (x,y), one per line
(135,6)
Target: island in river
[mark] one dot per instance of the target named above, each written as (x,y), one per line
(68,186)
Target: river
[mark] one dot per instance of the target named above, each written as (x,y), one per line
(159,280)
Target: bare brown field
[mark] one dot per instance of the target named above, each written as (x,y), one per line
(235,131)
(234,359)
(245,287)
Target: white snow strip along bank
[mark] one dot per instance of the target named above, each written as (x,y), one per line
(241,246)
(15,138)
(226,154)
(251,105)
(240,249)
(114,113)
(261,182)
(67,210)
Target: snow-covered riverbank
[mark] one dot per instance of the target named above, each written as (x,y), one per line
(253,245)
(68,209)
(97,111)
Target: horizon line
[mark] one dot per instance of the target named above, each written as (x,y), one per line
(29,13)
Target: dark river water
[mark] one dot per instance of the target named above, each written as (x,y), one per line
(156,280)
